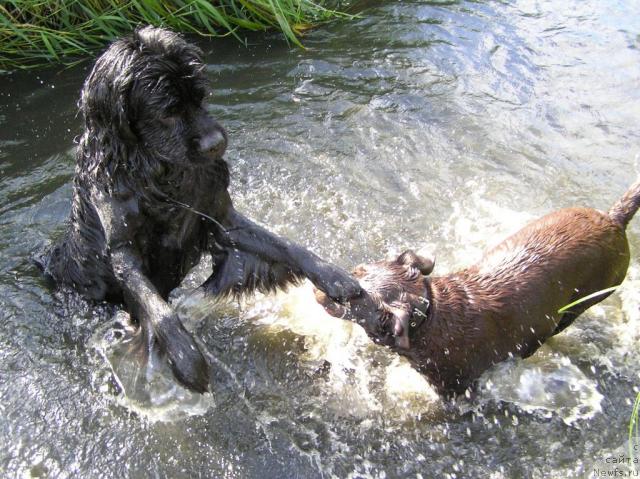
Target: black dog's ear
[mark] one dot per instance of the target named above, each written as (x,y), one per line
(124,126)
(121,106)
(411,258)
(104,101)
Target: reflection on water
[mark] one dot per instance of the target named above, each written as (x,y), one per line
(442,126)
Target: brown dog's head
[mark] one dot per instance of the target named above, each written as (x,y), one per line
(395,295)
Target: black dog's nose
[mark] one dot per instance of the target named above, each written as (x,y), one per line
(214,143)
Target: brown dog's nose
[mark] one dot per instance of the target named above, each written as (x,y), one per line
(214,143)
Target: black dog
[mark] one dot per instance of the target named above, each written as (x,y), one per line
(454,327)
(150,195)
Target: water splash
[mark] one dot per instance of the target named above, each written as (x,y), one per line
(361,378)
(149,390)
(477,223)
(546,384)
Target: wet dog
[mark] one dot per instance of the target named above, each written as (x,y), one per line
(454,327)
(150,196)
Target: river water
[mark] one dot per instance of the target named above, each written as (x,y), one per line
(439,126)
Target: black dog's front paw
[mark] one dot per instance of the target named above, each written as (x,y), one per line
(187,362)
(336,283)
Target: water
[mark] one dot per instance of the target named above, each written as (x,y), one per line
(434,125)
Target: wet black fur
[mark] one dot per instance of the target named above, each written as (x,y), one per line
(150,196)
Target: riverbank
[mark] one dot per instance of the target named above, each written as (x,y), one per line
(35,33)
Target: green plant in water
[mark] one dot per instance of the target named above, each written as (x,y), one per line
(634,421)
(587,298)
(36,32)
(634,429)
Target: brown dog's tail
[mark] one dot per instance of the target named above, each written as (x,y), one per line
(624,209)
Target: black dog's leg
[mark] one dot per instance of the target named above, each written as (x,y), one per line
(236,272)
(121,220)
(285,257)
(159,322)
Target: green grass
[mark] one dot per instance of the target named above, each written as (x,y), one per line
(634,428)
(587,298)
(634,421)
(34,33)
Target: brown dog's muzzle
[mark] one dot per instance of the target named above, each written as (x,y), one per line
(394,301)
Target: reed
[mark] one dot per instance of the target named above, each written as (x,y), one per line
(634,421)
(634,430)
(36,32)
(587,298)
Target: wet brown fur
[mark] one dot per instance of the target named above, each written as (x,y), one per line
(506,304)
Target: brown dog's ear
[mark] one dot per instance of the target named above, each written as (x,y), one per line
(411,258)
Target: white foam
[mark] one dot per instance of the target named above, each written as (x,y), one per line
(547,383)
(363,377)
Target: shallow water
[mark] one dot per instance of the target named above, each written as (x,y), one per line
(434,125)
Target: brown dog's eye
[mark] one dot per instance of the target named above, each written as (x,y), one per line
(385,319)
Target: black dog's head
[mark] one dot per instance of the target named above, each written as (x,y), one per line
(395,294)
(144,101)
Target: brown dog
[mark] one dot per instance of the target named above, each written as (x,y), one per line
(454,327)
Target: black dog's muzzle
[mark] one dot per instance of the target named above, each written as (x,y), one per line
(213,144)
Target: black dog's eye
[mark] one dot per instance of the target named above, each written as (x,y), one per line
(169,121)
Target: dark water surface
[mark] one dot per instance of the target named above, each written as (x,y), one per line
(434,125)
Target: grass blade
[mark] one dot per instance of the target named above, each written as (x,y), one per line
(587,298)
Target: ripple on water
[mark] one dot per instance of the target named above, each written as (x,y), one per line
(438,125)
